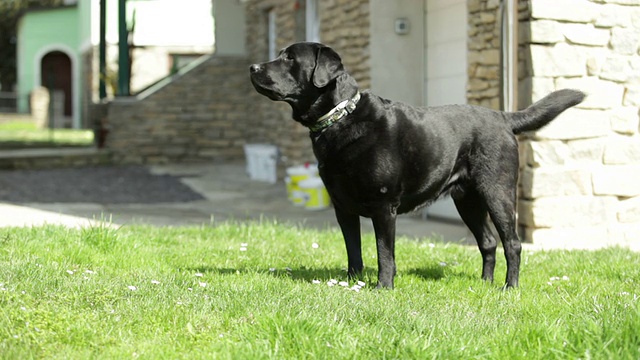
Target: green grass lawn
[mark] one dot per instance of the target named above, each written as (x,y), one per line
(25,135)
(259,291)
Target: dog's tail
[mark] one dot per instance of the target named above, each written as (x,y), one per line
(543,111)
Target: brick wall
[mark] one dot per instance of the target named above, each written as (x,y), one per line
(203,115)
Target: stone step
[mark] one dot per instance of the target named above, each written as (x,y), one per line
(53,158)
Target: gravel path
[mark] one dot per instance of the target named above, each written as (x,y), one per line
(102,185)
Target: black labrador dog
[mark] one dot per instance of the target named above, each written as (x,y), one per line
(379,158)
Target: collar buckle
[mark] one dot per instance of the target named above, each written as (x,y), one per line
(336,114)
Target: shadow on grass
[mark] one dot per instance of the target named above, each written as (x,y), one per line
(303,274)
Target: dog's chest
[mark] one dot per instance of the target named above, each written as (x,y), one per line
(359,187)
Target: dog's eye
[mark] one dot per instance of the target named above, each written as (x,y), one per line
(288,57)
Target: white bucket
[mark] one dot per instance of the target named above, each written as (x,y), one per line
(315,194)
(295,175)
(261,162)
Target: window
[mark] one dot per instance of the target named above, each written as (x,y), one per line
(312,21)
(271,34)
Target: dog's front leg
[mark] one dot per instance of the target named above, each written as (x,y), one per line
(350,226)
(384,225)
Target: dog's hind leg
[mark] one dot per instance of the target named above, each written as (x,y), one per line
(502,209)
(498,189)
(350,226)
(473,211)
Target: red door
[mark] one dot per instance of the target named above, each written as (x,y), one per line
(55,73)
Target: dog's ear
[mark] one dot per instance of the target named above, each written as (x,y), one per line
(328,67)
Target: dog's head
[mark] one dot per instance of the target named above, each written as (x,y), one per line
(305,75)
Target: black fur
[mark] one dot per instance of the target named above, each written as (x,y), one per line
(388,157)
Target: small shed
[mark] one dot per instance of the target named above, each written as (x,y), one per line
(48,55)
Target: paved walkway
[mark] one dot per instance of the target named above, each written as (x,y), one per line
(228,194)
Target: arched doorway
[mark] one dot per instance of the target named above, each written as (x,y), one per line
(55,75)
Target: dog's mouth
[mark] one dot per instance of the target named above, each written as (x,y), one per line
(263,84)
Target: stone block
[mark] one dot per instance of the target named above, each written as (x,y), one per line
(567,211)
(613,15)
(485,57)
(629,211)
(559,60)
(632,96)
(623,2)
(624,41)
(583,237)
(617,180)
(622,150)
(541,87)
(586,151)
(635,18)
(627,235)
(586,34)
(625,120)
(551,181)
(546,153)
(615,68)
(583,152)
(546,32)
(601,94)
(576,124)
(580,11)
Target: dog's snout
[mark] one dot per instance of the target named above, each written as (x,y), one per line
(255,68)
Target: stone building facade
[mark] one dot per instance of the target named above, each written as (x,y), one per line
(580,176)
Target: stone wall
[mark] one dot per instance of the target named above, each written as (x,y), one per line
(344,25)
(483,58)
(272,123)
(581,180)
(202,115)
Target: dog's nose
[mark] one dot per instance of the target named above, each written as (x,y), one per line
(254,68)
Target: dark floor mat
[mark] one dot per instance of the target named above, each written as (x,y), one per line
(102,185)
